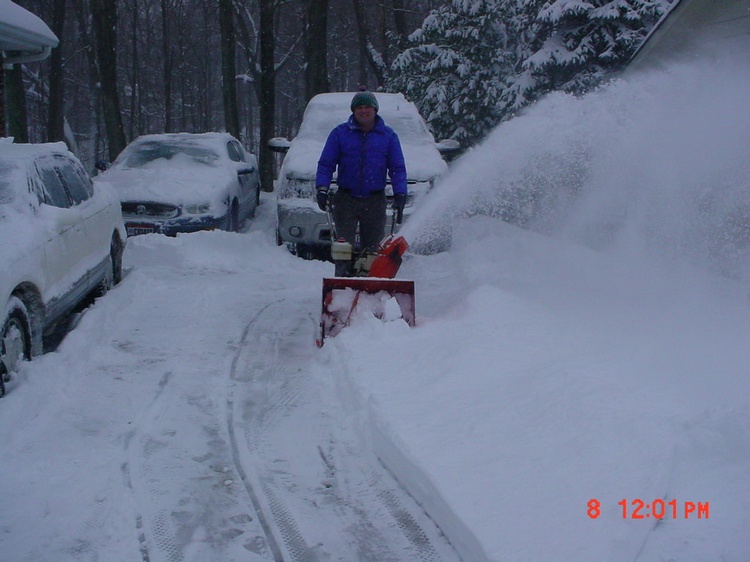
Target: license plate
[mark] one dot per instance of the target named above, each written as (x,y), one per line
(137,229)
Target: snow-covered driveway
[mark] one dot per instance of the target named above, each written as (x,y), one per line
(186,418)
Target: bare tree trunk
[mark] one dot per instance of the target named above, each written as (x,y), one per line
(399,18)
(15,96)
(251,91)
(135,78)
(205,84)
(165,38)
(316,51)
(267,92)
(228,68)
(362,43)
(104,20)
(366,54)
(92,104)
(56,117)
(3,127)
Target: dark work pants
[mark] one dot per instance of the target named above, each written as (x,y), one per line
(367,212)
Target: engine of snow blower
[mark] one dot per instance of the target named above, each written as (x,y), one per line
(383,263)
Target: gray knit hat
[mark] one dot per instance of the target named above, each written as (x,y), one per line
(364,98)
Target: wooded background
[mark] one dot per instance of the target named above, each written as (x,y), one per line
(131,67)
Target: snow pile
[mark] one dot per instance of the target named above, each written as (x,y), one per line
(552,374)
(559,376)
(653,165)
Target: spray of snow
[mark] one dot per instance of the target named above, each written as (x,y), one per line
(654,165)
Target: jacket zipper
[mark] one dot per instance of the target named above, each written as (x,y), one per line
(362,161)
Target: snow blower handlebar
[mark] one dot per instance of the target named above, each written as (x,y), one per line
(399,202)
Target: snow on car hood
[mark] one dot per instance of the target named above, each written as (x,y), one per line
(179,181)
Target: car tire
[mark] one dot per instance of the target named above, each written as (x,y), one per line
(116,250)
(113,274)
(15,339)
(234,217)
(106,282)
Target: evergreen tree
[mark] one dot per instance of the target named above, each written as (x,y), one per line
(523,82)
(579,43)
(474,63)
(454,68)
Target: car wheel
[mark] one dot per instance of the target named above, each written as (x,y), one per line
(105,284)
(116,250)
(15,339)
(234,218)
(113,273)
(303,251)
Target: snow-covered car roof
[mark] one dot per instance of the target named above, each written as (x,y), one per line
(9,149)
(325,111)
(13,164)
(178,168)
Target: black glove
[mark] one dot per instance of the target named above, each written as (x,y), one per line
(322,197)
(399,202)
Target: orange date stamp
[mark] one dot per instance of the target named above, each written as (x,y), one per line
(655,509)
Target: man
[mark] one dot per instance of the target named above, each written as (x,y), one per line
(365,150)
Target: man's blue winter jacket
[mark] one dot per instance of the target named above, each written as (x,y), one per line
(363,159)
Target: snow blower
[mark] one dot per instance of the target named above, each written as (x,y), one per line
(372,286)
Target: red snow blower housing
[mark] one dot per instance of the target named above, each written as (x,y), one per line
(372,288)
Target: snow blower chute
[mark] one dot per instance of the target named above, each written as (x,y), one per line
(371,288)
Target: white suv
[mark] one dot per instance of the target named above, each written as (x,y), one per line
(62,239)
(301,225)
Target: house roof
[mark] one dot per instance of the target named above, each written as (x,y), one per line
(23,36)
(692,25)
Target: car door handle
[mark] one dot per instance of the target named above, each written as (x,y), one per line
(245,172)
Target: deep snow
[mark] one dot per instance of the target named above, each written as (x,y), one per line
(601,354)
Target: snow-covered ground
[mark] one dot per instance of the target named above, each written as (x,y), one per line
(570,392)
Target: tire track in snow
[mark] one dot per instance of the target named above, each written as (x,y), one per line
(127,474)
(282,522)
(180,472)
(332,487)
(272,542)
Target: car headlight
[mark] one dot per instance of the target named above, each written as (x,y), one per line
(199,209)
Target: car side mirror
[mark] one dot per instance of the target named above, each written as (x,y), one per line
(279,144)
(448,146)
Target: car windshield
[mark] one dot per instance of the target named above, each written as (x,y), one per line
(319,119)
(409,126)
(143,153)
